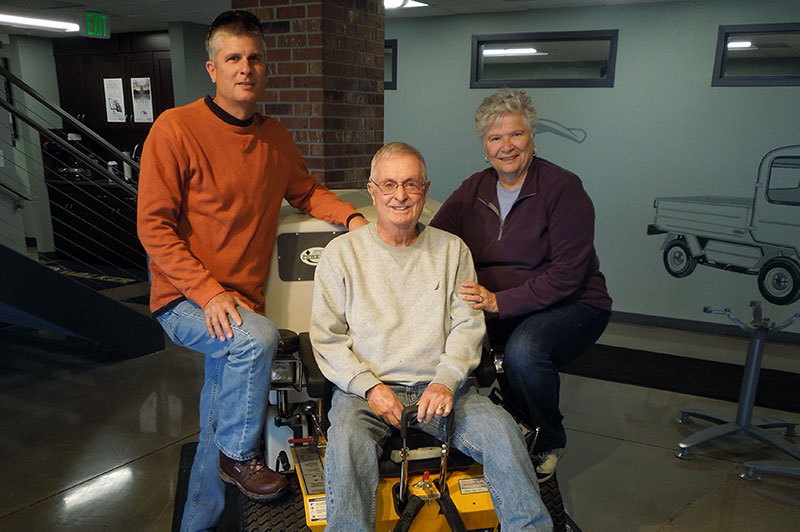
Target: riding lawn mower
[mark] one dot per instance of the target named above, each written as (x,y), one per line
(424,484)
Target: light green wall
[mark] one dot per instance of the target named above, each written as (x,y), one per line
(31,59)
(190,80)
(661,130)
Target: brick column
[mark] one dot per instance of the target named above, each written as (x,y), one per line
(325,61)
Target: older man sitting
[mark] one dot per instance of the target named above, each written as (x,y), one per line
(389,329)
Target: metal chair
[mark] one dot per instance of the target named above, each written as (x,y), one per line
(744,424)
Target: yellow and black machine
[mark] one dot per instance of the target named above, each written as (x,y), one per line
(414,500)
(424,485)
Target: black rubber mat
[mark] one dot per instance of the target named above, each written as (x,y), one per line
(228,522)
(705,378)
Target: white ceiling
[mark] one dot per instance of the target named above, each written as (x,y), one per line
(124,15)
(148,15)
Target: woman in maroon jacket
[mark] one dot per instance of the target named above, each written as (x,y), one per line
(530,227)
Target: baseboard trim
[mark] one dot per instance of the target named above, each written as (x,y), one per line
(687,375)
(705,327)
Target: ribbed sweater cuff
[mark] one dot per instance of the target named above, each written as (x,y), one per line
(448,377)
(362,382)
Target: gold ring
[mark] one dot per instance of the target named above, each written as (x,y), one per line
(440,407)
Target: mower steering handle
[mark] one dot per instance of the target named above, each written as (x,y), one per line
(409,416)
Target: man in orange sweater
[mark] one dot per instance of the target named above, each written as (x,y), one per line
(212,178)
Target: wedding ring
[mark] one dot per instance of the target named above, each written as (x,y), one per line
(440,407)
(481,299)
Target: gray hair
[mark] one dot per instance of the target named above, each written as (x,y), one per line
(397,148)
(235,28)
(505,101)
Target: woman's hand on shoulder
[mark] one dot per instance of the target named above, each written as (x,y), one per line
(482,298)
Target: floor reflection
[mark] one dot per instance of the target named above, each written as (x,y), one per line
(93,443)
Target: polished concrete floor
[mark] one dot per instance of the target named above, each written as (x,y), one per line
(94,445)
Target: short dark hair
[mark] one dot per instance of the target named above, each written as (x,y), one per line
(234,22)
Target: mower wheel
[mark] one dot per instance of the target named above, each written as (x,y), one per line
(287,513)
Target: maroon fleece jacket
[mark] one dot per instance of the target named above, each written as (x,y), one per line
(543,252)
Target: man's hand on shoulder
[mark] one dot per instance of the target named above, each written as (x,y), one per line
(217,311)
(356,222)
(383,401)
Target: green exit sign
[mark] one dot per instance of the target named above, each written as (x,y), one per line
(95,25)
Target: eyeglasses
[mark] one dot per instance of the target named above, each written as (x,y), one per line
(233,16)
(390,187)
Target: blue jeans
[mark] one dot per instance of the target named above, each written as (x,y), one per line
(537,345)
(233,403)
(483,431)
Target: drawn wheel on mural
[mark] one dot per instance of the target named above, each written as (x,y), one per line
(678,259)
(779,281)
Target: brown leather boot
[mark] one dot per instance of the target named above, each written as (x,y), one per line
(252,477)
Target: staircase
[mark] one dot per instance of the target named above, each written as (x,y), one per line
(85,275)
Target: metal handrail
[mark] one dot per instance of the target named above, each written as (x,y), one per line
(94,165)
(93,228)
(71,120)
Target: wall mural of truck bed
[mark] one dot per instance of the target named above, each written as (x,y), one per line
(758,235)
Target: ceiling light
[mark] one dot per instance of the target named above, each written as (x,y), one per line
(740,44)
(511,51)
(395,4)
(38,23)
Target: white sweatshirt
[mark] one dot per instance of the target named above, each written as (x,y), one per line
(387,314)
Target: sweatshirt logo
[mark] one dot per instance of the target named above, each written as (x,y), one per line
(311,256)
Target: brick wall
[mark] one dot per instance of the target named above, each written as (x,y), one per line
(325,64)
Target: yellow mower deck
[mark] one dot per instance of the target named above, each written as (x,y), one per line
(467,490)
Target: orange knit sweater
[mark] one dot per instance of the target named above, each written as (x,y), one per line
(209,198)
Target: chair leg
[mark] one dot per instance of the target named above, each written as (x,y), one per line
(789,467)
(774,440)
(775,423)
(729,429)
(772,423)
(686,416)
(705,435)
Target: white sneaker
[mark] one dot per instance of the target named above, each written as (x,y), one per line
(546,464)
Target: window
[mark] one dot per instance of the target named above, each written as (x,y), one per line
(760,54)
(551,59)
(784,181)
(390,64)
